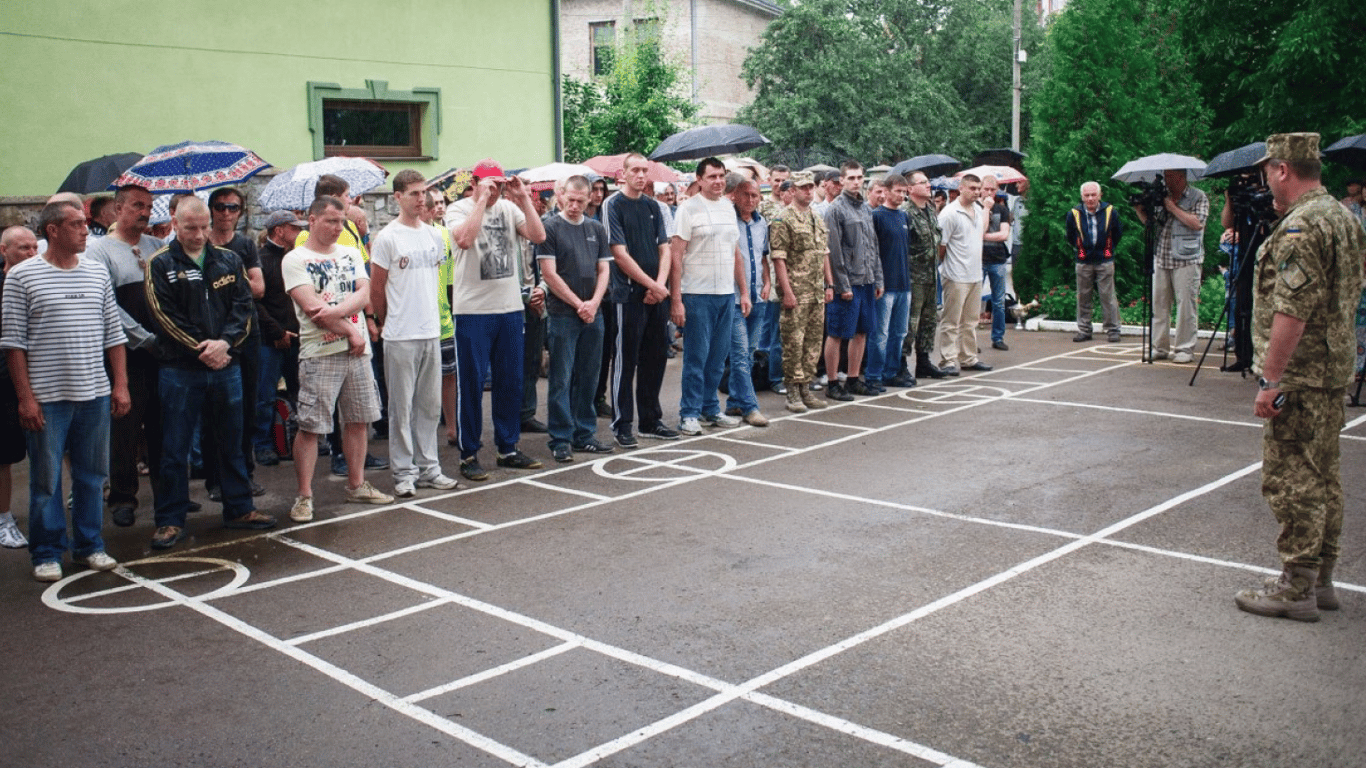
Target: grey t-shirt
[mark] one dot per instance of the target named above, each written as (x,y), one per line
(126,265)
(577,250)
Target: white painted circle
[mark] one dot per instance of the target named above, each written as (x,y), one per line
(52,596)
(953,394)
(642,464)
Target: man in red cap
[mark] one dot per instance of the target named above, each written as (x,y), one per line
(488,304)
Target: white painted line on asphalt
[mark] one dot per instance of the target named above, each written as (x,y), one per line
(865,733)
(132,587)
(823,423)
(880,406)
(490,674)
(1060,370)
(787,449)
(560,489)
(370,622)
(416,507)
(363,687)
(1138,411)
(281,581)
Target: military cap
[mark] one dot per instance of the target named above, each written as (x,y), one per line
(802,179)
(1291,147)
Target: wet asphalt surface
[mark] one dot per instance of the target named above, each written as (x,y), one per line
(1029,567)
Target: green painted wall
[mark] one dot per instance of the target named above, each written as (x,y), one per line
(85,78)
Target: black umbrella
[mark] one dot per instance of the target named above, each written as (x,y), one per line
(1235,161)
(999,156)
(930,165)
(1349,151)
(708,140)
(96,175)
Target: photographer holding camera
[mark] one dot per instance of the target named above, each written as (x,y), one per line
(1177,257)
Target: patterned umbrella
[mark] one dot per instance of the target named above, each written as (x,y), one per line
(611,166)
(293,189)
(191,166)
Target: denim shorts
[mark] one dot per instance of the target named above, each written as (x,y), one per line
(845,319)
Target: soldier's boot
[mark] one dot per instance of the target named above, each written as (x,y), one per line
(794,398)
(1324,594)
(924,368)
(1291,595)
(809,400)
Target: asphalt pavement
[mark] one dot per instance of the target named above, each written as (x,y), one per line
(1030,567)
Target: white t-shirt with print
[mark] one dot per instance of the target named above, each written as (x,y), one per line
(412,256)
(333,275)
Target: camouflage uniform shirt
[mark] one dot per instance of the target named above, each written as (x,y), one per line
(924,250)
(1310,268)
(799,239)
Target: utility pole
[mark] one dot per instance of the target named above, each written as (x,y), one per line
(1017,57)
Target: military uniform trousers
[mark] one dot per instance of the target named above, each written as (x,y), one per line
(1301,474)
(803,332)
(924,320)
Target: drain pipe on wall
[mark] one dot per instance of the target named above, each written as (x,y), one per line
(557,86)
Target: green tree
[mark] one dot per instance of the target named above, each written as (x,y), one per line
(1120,88)
(640,102)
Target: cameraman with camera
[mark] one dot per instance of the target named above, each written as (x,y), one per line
(1177,257)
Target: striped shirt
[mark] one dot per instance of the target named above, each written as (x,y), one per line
(64,319)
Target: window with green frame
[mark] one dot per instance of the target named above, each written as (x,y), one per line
(374,121)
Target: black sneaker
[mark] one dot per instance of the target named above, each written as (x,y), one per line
(518,460)
(534,426)
(857,387)
(375,462)
(660,432)
(267,457)
(604,408)
(339,466)
(562,453)
(903,380)
(124,515)
(835,391)
(591,445)
(626,440)
(472,471)
(1001,345)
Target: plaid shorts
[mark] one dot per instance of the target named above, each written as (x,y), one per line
(336,380)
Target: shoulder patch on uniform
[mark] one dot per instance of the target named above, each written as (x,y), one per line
(1293,277)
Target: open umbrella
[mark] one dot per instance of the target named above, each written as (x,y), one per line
(611,166)
(945,183)
(95,175)
(554,172)
(820,168)
(1150,167)
(708,140)
(736,163)
(191,166)
(1003,174)
(293,189)
(1235,161)
(930,165)
(161,207)
(1349,151)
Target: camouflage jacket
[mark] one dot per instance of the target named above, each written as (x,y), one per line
(924,246)
(799,240)
(1310,268)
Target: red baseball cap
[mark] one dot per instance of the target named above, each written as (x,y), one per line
(486,168)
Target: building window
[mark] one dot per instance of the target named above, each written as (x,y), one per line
(372,128)
(374,121)
(646,31)
(602,36)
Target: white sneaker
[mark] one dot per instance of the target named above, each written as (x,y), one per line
(440,482)
(302,511)
(47,571)
(405,489)
(98,561)
(1182,357)
(365,493)
(690,426)
(11,537)
(721,420)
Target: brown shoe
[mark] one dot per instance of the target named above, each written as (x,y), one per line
(1291,596)
(794,399)
(809,400)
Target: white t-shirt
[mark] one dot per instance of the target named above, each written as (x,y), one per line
(333,275)
(962,230)
(412,256)
(709,227)
(486,280)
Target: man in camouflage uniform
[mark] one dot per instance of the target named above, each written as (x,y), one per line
(1307,280)
(924,255)
(797,246)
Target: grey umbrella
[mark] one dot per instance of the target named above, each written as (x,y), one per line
(1349,151)
(1152,166)
(706,141)
(930,165)
(1235,161)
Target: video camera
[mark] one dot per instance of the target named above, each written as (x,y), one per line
(1249,195)
(1150,195)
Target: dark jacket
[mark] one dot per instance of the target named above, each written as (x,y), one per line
(1099,249)
(190,305)
(275,310)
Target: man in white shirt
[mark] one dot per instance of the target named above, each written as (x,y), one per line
(960,256)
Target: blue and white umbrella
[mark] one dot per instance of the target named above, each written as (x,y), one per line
(191,166)
(293,189)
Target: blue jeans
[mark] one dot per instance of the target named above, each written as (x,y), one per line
(706,343)
(771,340)
(743,341)
(575,358)
(484,345)
(884,345)
(218,396)
(273,362)
(80,429)
(996,278)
